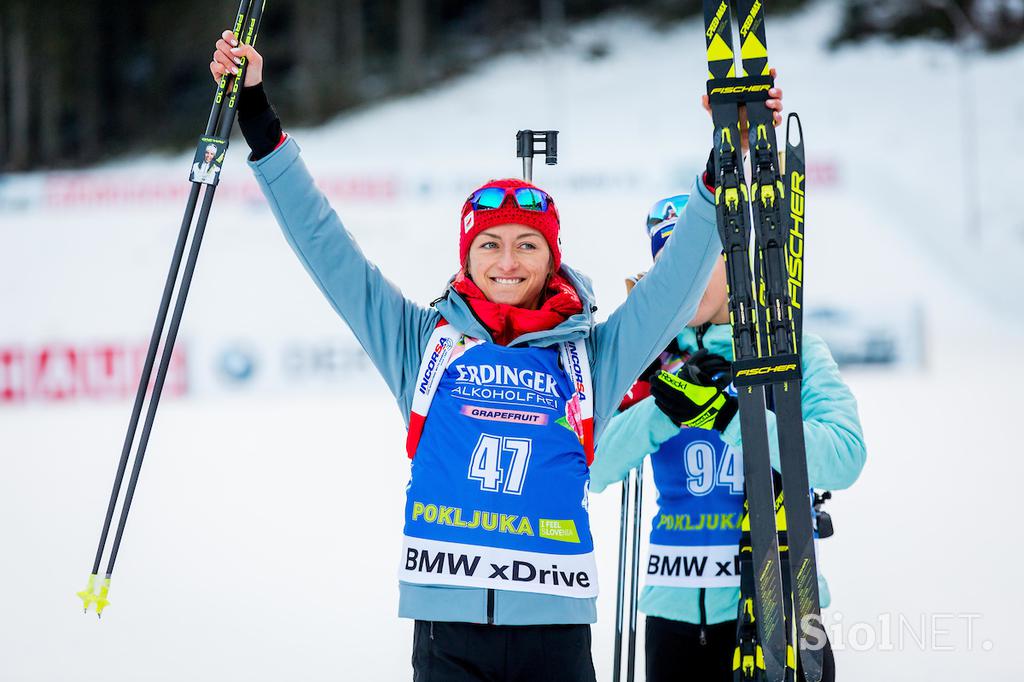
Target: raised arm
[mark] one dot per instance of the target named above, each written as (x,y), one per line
(391,328)
(667,298)
(659,306)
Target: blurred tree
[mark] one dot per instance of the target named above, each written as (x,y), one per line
(411,43)
(502,23)
(996,23)
(49,92)
(315,57)
(3,86)
(86,79)
(552,16)
(21,78)
(87,86)
(353,45)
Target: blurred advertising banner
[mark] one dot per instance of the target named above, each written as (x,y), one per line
(156,186)
(63,372)
(60,373)
(249,366)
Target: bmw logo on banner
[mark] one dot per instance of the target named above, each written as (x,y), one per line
(236,365)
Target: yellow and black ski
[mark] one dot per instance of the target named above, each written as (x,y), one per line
(760,558)
(765,308)
(779,251)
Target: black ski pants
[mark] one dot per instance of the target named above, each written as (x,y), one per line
(467,652)
(675,653)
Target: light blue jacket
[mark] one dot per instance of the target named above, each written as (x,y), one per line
(833,440)
(394,332)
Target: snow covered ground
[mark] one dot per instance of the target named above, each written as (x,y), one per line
(264,539)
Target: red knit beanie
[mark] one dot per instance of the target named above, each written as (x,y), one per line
(475,222)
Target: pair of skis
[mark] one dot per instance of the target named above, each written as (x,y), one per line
(210,154)
(765,314)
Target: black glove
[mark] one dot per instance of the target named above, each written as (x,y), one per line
(708,369)
(695,396)
(258,121)
(709,177)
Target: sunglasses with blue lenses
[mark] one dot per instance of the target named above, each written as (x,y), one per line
(666,209)
(527,198)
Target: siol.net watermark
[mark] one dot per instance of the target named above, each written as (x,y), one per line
(932,632)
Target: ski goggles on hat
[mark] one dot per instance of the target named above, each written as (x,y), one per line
(661,220)
(527,198)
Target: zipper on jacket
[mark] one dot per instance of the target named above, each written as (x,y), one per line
(703,618)
(490,607)
(431,630)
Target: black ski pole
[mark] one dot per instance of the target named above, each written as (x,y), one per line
(213,150)
(634,571)
(620,592)
(634,479)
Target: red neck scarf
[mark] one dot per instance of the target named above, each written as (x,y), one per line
(507,322)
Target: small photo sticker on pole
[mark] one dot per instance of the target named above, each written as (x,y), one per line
(208,160)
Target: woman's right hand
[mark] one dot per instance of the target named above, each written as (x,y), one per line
(227,58)
(774,103)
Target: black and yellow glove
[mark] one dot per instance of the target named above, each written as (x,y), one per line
(695,396)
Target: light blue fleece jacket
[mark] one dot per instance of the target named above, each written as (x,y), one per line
(394,331)
(833,440)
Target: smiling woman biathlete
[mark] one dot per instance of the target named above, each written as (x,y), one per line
(504,382)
